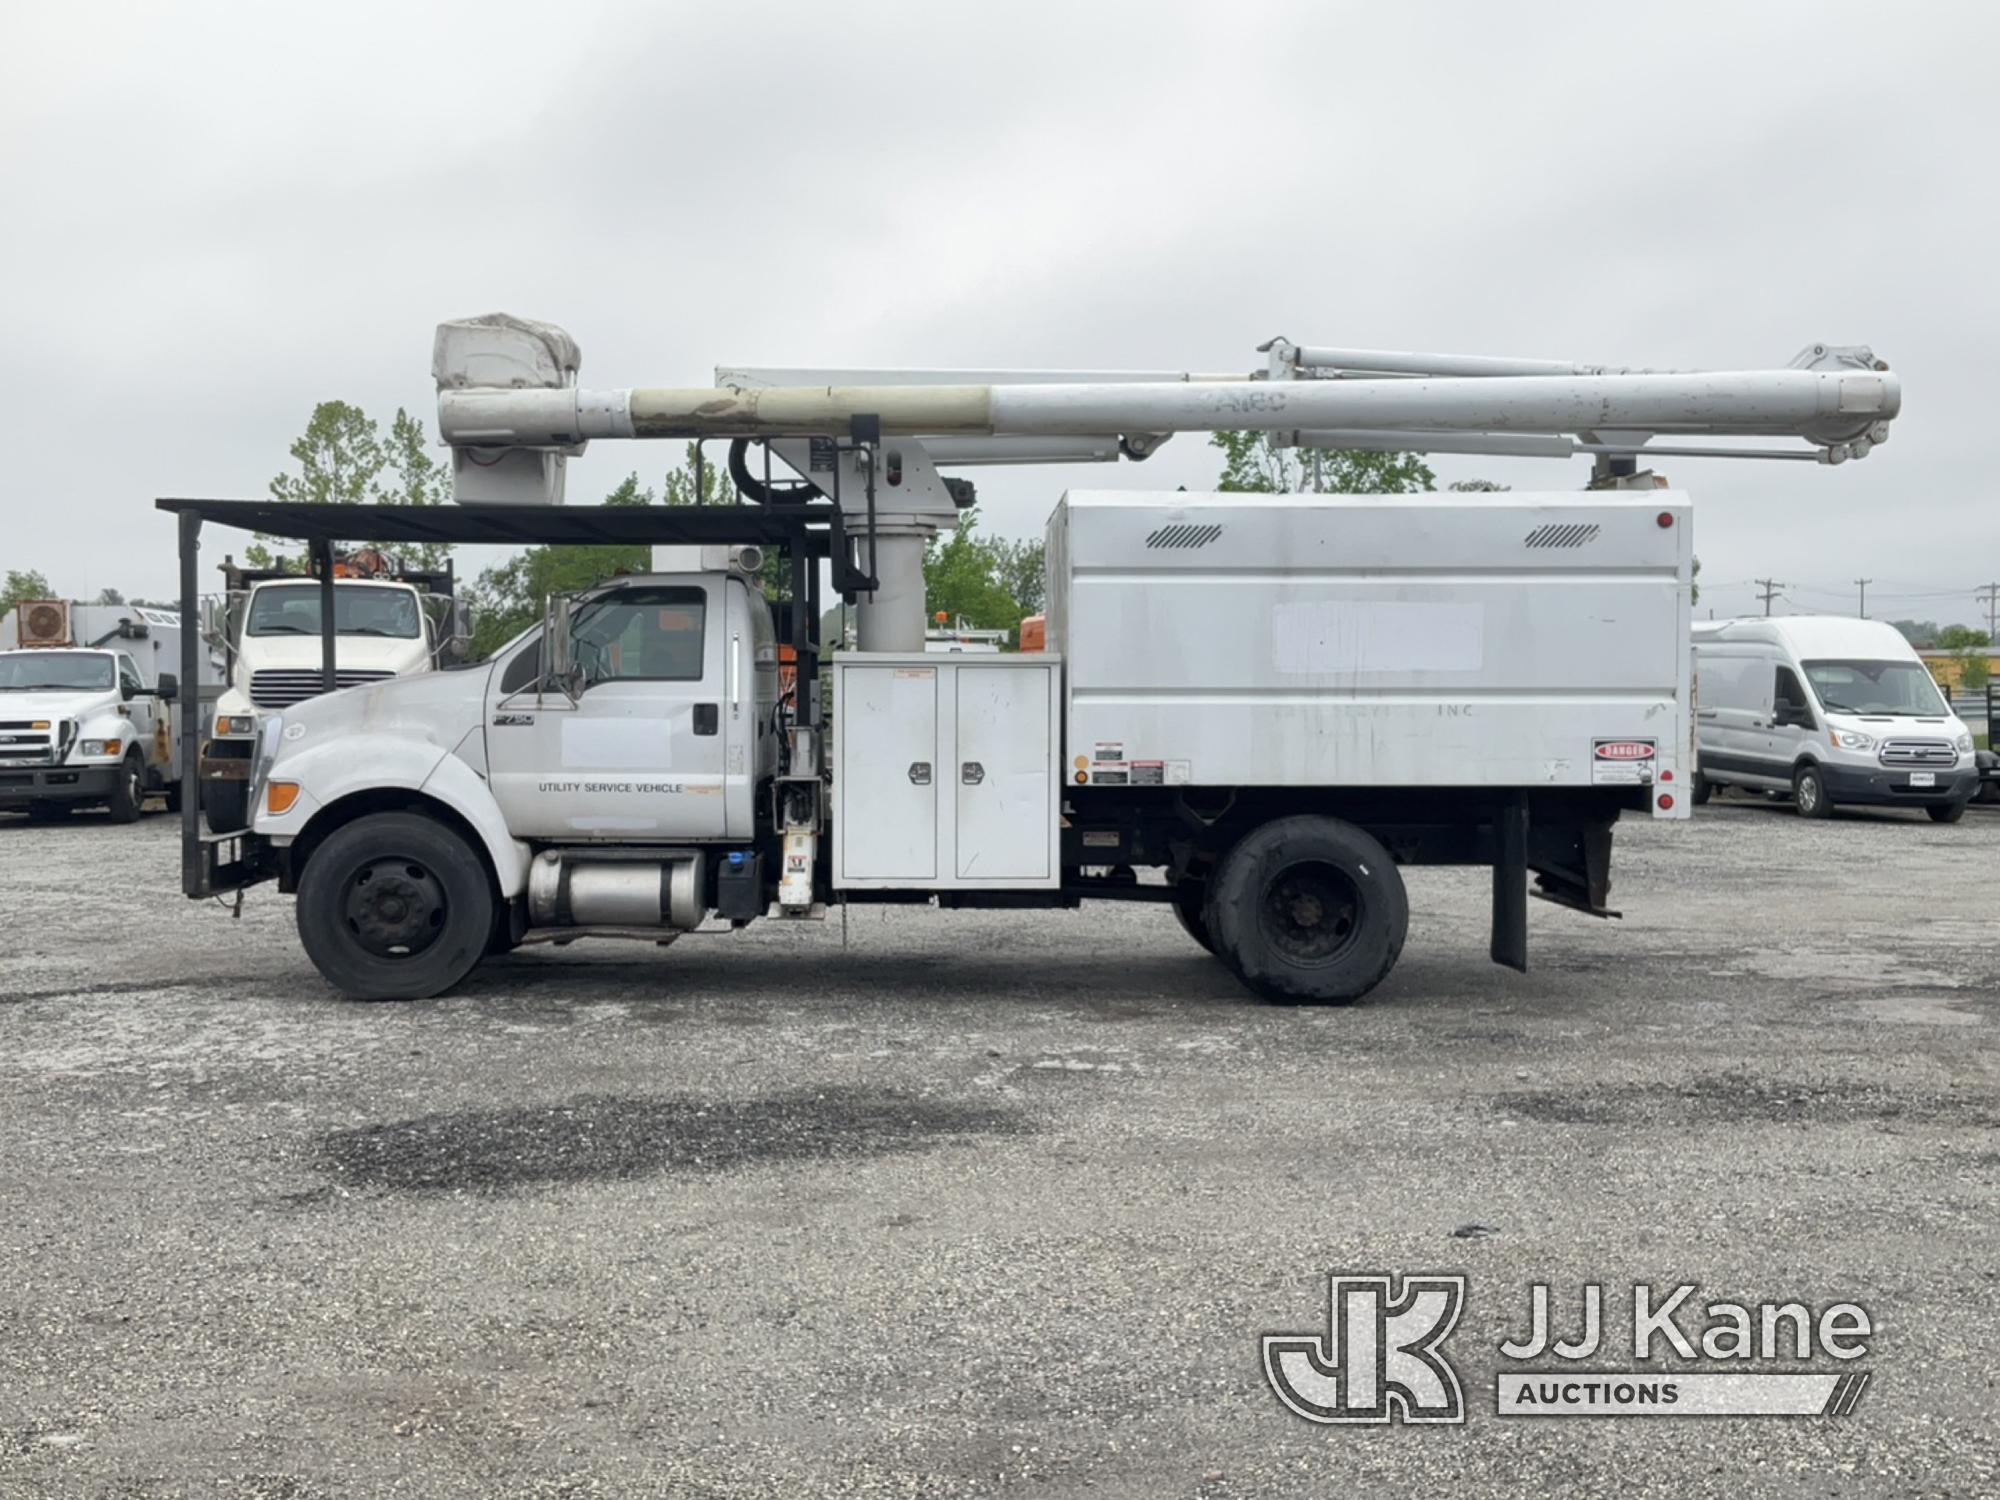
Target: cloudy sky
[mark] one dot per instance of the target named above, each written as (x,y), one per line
(220,215)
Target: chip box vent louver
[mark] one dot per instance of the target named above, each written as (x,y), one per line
(1574,534)
(1183,536)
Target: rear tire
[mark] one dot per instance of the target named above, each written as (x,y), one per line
(1809,793)
(1703,790)
(395,906)
(1946,812)
(128,792)
(1308,911)
(1190,900)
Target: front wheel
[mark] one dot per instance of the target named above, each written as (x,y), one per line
(1809,793)
(394,906)
(128,792)
(1308,910)
(1946,812)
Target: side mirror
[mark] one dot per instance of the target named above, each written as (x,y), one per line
(559,667)
(169,686)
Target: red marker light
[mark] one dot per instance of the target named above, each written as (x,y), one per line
(1666,519)
(1666,775)
(1666,802)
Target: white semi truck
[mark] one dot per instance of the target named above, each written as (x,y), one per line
(1253,708)
(86,707)
(266,622)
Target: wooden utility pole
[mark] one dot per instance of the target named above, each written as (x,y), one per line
(1991,594)
(1769,588)
(1862,584)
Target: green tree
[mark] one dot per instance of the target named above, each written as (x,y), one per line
(1968,647)
(343,459)
(962,579)
(22,584)
(1021,570)
(110,596)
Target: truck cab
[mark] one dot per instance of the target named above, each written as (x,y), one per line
(81,727)
(272,630)
(607,772)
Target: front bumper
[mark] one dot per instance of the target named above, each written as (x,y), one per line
(1883,787)
(20,785)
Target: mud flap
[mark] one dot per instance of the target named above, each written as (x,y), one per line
(1510,885)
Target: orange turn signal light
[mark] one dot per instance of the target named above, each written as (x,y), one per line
(280,796)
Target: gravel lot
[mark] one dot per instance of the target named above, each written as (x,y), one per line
(967,1203)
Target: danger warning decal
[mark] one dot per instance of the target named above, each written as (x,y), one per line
(1623,762)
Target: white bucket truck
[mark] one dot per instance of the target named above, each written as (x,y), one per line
(1255,708)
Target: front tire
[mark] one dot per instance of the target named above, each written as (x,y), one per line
(1809,793)
(1946,812)
(226,805)
(395,906)
(1308,911)
(128,792)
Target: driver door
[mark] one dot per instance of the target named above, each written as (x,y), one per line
(640,753)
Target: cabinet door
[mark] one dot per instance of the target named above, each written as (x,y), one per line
(1003,776)
(888,773)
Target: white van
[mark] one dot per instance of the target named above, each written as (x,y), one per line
(1832,710)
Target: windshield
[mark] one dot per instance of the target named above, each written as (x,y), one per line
(1876,687)
(293,609)
(24,671)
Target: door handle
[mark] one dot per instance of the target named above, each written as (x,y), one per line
(920,773)
(972,773)
(706,718)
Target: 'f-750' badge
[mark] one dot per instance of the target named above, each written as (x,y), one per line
(505,721)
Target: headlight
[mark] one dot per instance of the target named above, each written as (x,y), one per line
(1852,739)
(1964,743)
(235,724)
(100,747)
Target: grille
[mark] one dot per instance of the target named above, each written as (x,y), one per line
(1572,534)
(1918,753)
(1183,536)
(274,688)
(23,745)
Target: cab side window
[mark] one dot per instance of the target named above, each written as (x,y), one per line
(129,685)
(1790,704)
(642,635)
(523,669)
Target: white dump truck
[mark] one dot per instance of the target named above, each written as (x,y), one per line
(1256,709)
(86,707)
(388,622)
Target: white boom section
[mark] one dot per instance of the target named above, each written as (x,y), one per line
(1820,406)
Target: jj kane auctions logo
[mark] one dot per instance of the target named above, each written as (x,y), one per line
(1382,1357)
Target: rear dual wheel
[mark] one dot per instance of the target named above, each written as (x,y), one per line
(1307,910)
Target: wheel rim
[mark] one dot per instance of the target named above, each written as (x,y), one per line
(395,907)
(132,782)
(1311,913)
(1809,793)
